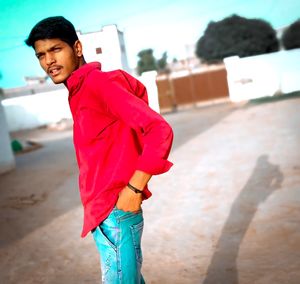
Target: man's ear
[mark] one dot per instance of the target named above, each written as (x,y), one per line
(78,48)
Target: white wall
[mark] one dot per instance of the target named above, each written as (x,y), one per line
(149,81)
(263,75)
(32,111)
(7,160)
(36,110)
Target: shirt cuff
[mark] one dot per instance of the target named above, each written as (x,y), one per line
(153,165)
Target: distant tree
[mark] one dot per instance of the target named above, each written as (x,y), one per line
(162,64)
(146,62)
(291,36)
(236,35)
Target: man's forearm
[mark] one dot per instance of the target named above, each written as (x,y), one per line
(139,179)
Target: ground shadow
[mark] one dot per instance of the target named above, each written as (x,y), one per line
(265,179)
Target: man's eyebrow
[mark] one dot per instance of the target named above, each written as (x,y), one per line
(49,49)
(54,46)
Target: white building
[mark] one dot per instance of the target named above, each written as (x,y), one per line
(106,46)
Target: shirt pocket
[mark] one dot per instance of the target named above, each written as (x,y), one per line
(91,125)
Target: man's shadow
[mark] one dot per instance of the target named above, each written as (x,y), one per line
(265,179)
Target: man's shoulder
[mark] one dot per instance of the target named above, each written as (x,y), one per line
(108,75)
(103,80)
(120,74)
(121,78)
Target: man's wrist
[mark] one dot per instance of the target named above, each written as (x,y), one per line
(133,188)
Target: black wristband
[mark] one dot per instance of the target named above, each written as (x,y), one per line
(134,188)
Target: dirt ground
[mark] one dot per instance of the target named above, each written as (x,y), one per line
(227,212)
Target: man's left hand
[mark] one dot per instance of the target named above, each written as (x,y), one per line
(129,200)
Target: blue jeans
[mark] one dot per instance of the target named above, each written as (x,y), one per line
(118,239)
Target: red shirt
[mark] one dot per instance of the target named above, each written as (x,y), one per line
(115,132)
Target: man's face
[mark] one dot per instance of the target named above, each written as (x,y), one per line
(57,58)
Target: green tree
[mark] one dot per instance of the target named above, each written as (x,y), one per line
(236,35)
(146,62)
(291,36)
(162,63)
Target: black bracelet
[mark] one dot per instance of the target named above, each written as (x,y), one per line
(134,188)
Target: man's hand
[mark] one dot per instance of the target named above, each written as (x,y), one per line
(129,200)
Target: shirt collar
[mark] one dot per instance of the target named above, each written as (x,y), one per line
(75,79)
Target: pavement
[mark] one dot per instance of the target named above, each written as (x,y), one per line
(227,212)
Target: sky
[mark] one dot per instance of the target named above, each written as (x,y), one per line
(162,25)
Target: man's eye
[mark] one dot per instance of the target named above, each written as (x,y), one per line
(40,56)
(56,49)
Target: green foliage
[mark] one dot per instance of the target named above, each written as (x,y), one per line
(162,62)
(291,36)
(236,35)
(147,61)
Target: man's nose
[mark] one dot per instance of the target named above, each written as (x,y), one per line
(50,59)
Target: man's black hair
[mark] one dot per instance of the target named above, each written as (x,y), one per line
(53,27)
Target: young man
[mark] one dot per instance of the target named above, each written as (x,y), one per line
(119,141)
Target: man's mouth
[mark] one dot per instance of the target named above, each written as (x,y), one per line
(54,71)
